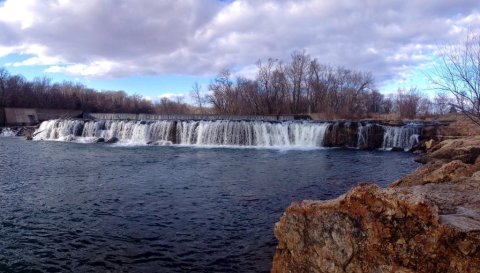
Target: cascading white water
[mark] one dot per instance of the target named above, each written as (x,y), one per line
(251,133)
(211,133)
(7,132)
(363,132)
(131,131)
(127,131)
(402,137)
(58,129)
(222,133)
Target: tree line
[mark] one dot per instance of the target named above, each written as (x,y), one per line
(305,86)
(16,91)
(300,86)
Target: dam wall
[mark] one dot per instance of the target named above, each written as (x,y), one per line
(32,116)
(20,116)
(238,133)
(2,117)
(122,116)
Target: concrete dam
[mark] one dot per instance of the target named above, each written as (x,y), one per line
(233,133)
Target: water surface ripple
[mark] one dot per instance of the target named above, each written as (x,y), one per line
(69,207)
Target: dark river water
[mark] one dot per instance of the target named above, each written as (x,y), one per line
(69,207)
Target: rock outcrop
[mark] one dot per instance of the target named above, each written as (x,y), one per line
(427,222)
(448,161)
(342,134)
(112,140)
(19,131)
(360,135)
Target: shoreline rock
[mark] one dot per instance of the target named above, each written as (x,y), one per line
(426,222)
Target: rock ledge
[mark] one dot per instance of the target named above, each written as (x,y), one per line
(427,222)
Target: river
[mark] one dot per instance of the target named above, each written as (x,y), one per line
(73,207)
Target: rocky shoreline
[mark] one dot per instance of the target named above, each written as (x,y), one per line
(428,221)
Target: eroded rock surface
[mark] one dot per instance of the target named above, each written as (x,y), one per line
(449,161)
(427,222)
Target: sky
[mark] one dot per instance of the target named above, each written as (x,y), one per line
(160,47)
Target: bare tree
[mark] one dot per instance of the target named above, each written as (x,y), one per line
(4,75)
(387,105)
(197,96)
(297,72)
(442,103)
(223,93)
(425,107)
(458,73)
(407,102)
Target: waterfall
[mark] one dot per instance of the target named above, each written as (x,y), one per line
(57,129)
(7,132)
(233,133)
(127,131)
(251,133)
(363,133)
(201,133)
(401,137)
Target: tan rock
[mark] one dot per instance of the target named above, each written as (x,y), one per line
(429,144)
(476,175)
(351,234)
(426,222)
(465,149)
(451,171)
(449,160)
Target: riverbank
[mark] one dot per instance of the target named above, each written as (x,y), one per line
(428,221)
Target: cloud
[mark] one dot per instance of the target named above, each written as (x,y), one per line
(116,38)
(170,95)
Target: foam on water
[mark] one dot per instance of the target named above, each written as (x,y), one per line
(7,132)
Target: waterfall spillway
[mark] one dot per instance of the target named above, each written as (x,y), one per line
(402,137)
(232,133)
(250,133)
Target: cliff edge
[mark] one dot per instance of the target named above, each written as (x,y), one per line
(428,221)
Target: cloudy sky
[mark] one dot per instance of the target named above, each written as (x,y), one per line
(154,47)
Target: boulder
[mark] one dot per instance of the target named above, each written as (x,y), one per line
(422,158)
(25,131)
(423,145)
(437,172)
(476,175)
(112,140)
(429,144)
(466,149)
(449,160)
(451,171)
(99,140)
(419,147)
(370,229)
